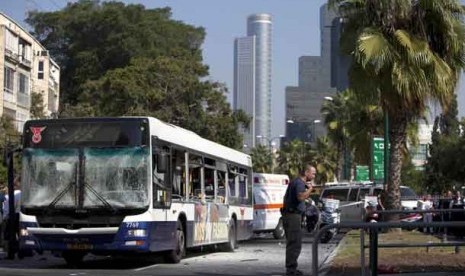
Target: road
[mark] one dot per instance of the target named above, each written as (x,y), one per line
(262,255)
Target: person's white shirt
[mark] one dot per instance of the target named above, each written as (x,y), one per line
(427,205)
(6,206)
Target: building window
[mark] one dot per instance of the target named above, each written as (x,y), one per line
(40,75)
(8,80)
(23,91)
(11,41)
(23,84)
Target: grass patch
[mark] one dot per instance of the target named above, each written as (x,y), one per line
(398,260)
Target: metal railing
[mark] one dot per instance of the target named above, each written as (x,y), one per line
(375,227)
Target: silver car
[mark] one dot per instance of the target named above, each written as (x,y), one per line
(351,198)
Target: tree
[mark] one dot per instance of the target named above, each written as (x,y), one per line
(444,164)
(404,53)
(336,117)
(37,106)
(411,176)
(119,59)
(9,138)
(293,156)
(324,160)
(262,159)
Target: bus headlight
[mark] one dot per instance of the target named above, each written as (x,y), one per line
(23,232)
(137,233)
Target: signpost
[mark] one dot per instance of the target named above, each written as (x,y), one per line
(377,157)
(362,173)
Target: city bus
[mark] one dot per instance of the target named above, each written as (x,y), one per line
(110,186)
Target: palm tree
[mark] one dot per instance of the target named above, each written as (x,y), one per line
(324,160)
(404,53)
(293,156)
(262,159)
(336,117)
(365,121)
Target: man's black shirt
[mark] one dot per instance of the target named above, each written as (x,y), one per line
(291,202)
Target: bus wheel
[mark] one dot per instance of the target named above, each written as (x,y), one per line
(278,232)
(73,258)
(232,238)
(174,256)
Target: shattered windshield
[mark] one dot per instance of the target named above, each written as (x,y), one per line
(109,177)
(47,173)
(118,175)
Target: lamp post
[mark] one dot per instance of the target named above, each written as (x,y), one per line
(314,122)
(270,145)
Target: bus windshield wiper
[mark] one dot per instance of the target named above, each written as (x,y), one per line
(99,197)
(61,195)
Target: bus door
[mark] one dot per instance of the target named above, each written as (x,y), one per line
(161,178)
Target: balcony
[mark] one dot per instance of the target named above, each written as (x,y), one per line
(13,56)
(26,62)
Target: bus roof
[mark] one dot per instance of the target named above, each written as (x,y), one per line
(188,139)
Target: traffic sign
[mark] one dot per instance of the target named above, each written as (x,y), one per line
(362,173)
(377,157)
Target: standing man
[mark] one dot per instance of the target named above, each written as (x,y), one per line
(294,207)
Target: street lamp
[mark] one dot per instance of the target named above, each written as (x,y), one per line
(270,140)
(314,122)
(328,98)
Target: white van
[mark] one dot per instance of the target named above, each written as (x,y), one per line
(268,194)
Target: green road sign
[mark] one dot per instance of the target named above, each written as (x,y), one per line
(377,157)
(362,173)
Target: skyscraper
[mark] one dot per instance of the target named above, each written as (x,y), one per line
(252,77)
(319,77)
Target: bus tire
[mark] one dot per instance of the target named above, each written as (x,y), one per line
(174,256)
(278,232)
(73,258)
(232,238)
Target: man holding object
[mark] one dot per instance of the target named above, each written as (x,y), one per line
(294,207)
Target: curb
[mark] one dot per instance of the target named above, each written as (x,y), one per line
(325,267)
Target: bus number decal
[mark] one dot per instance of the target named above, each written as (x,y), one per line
(132,225)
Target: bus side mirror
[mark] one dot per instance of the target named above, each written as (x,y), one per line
(162,162)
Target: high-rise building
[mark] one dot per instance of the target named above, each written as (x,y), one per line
(25,68)
(252,77)
(319,77)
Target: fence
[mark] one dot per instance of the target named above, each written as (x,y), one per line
(373,242)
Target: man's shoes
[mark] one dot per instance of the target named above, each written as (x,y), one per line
(294,272)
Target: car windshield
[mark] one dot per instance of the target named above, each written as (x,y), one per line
(407,193)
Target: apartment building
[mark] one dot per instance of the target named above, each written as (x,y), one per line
(25,68)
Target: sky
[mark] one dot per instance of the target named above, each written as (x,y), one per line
(296,32)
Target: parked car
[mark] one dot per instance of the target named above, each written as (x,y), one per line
(351,197)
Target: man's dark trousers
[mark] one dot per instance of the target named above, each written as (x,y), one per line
(292,227)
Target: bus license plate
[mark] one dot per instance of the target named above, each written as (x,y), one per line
(79,246)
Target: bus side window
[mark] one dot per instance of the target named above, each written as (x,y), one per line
(209,184)
(221,176)
(195,167)
(179,174)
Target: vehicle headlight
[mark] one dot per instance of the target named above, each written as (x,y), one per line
(137,233)
(23,232)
